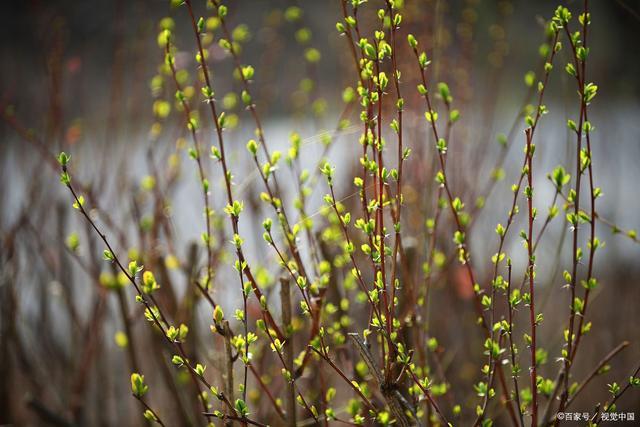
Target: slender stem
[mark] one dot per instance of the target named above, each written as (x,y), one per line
(148,408)
(618,395)
(572,343)
(512,348)
(156,316)
(342,375)
(285,303)
(596,371)
(531,274)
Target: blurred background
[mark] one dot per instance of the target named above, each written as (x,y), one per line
(84,77)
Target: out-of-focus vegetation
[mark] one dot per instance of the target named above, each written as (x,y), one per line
(299,213)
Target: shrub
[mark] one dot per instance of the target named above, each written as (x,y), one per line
(342,326)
